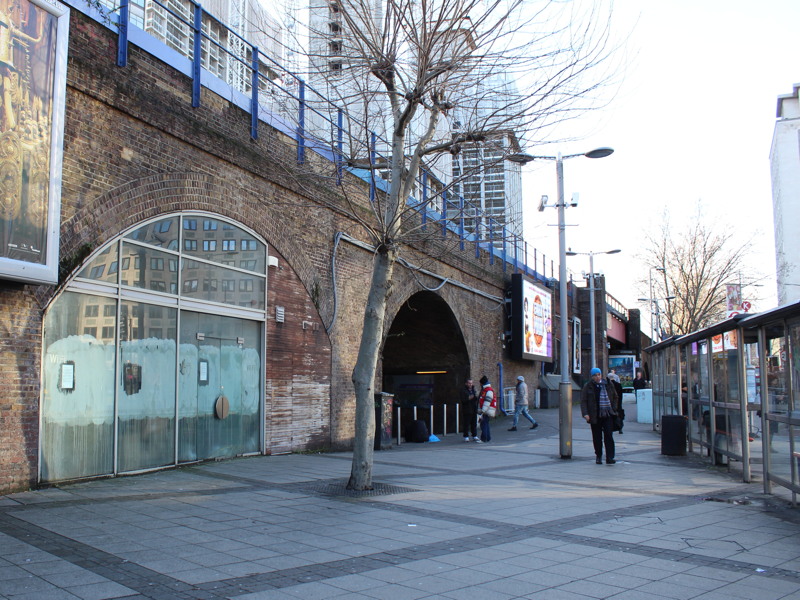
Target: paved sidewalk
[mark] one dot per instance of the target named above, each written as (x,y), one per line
(454,520)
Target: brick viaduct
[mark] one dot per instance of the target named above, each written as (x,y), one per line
(134,148)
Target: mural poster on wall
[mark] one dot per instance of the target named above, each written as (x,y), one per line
(33,37)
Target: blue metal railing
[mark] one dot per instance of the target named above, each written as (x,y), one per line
(305,138)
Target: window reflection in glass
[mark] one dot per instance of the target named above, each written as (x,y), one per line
(103,267)
(146,270)
(223,243)
(146,386)
(202,281)
(77,419)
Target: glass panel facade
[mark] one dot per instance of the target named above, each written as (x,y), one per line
(163,233)
(220,374)
(222,243)
(204,281)
(103,267)
(184,385)
(148,269)
(146,388)
(77,390)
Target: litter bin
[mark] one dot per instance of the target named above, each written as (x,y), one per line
(383,421)
(673,435)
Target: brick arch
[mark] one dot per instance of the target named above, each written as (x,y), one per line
(459,301)
(479,319)
(96,223)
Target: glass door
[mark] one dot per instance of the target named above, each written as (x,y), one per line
(219,371)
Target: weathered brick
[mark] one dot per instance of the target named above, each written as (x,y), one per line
(134,148)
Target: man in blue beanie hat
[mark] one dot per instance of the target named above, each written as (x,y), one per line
(599,406)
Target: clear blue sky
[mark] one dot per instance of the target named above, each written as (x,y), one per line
(691,124)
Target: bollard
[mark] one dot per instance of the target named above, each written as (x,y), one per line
(399,425)
(444,418)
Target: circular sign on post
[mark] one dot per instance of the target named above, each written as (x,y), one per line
(222,407)
(746,306)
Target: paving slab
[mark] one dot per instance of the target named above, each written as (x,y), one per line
(448,520)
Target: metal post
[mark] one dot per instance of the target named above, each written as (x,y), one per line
(444,419)
(399,425)
(197,58)
(745,421)
(122,40)
(565,385)
(592,316)
(254,96)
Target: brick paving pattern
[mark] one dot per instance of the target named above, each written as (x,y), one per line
(509,519)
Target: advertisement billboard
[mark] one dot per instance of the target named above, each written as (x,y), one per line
(33,67)
(531,320)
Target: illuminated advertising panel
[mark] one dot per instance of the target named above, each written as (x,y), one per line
(531,320)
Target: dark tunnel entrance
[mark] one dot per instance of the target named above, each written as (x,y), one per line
(425,363)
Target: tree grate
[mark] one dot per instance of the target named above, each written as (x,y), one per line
(338,489)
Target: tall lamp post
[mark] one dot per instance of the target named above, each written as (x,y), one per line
(652,311)
(655,316)
(565,385)
(592,316)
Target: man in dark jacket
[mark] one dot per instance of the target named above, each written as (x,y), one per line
(599,406)
(469,410)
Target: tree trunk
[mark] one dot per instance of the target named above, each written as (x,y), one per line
(364,371)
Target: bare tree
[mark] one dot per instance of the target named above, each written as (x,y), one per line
(422,80)
(691,268)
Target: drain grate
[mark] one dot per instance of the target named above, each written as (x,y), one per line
(339,489)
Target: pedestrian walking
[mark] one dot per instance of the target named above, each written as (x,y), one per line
(599,405)
(487,406)
(469,411)
(521,404)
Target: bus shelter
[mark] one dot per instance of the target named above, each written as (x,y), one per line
(737,384)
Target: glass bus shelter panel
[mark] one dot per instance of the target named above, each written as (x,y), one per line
(683,368)
(220,384)
(103,267)
(163,233)
(728,414)
(78,388)
(753,391)
(699,424)
(794,400)
(146,388)
(776,426)
(659,375)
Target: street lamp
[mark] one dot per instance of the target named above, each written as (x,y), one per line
(655,323)
(650,301)
(565,385)
(592,317)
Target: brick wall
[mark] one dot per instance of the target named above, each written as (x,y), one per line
(134,148)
